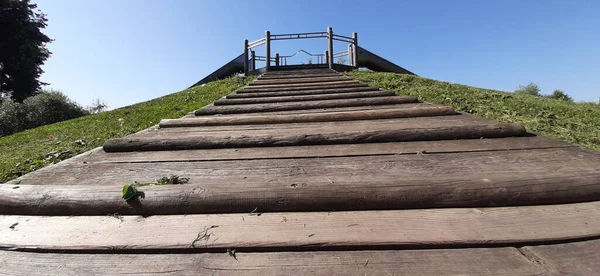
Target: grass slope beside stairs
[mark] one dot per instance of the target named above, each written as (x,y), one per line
(576,123)
(33,149)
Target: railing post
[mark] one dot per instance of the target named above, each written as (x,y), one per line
(276,59)
(350,55)
(245,56)
(253,54)
(268,46)
(355,52)
(330,46)
(326,57)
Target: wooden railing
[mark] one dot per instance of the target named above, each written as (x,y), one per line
(250,56)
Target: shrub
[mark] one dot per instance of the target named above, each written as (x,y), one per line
(46,107)
(51,107)
(96,106)
(560,95)
(530,89)
(12,117)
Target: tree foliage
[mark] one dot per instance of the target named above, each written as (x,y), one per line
(560,95)
(22,48)
(530,89)
(46,107)
(97,106)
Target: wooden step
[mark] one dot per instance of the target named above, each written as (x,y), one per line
(460,179)
(211,109)
(341,150)
(299,85)
(309,117)
(304,98)
(300,72)
(340,133)
(308,230)
(490,261)
(298,76)
(324,110)
(574,258)
(320,79)
(280,89)
(302,92)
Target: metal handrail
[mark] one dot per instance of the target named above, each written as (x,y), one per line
(329,55)
(298,36)
(314,55)
(343,39)
(337,35)
(313,33)
(257,43)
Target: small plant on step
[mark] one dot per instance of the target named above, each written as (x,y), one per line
(130,191)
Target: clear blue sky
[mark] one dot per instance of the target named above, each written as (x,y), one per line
(130,51)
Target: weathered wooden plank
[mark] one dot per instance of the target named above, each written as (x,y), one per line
(211,110)
(313,84)
(372,149)
(577,258)
(320,79)
(300,72)
(489,261)
(321,110)
(310,117)
(323,230)
(187,140)
(321,97)
(302,92)
(298,76)
(460,119)
(473,179)
(328,86)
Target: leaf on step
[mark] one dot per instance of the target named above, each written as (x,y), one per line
(129,192)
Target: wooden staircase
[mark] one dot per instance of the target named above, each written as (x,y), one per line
(308,172)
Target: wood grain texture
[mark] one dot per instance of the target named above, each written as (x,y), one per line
(372,149)
(321,110)
(279,89)
(577,258)
(211,109)
(458,119)
(468,179)
(290,85)
(323,230)
(300,72)
(212,140)
(310,117)
(227,101)
(310,75)
(320,79)
(301,92)
(492,262)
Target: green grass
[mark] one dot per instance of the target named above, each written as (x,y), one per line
(576,123)
(33,149)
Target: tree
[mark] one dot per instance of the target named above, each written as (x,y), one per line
(530,89)
(97,106)
(22,48)
(560,95)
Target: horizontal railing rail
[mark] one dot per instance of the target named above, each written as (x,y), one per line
(328,56)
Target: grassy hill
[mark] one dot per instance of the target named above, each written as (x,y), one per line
(576,123)
(23,152)
(32,149)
